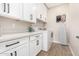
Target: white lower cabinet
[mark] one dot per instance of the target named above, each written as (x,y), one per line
(39,46)
(22,50)
(35,44)
(22,47)
(19,51)
(16,47)
(33,48)
(7,53)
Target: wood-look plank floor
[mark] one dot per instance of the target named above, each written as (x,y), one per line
(56,50)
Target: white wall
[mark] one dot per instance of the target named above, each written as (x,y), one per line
(72,24)
(74,28)
(52,13)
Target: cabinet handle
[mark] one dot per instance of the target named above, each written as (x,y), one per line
(8,7)
(36,36)
(4,9)
(15,53)
(31,17)
(37,42)
(40,16)
(11,54)
(51,34)
(12,44)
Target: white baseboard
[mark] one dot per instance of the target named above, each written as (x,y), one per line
(60,42)
(71,50)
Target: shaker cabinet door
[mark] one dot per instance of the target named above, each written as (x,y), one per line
(33,48)
(29,12)
(14,10)
(22,50)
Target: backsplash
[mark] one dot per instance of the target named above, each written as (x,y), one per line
(8,26)
(39,25)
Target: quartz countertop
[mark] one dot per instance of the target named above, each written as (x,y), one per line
(7,37)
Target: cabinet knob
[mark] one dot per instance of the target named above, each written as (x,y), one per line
(37,42)
(51,34)
(36,36)
(11,54)
(40,16)
(15,53)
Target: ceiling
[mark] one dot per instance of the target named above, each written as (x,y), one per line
(50,5)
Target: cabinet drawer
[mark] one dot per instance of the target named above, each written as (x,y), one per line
(35,36)
(13,43)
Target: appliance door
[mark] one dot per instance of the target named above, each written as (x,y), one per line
(50,38)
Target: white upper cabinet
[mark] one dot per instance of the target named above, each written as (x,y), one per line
(29,12)
(15,10)
(38,11)
(41,12)
(44,13)
(24,11)
(11,10)
(3,8)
